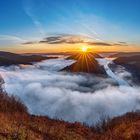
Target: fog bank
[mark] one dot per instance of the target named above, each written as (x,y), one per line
(71,97)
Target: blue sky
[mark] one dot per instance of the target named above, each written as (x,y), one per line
(106,20)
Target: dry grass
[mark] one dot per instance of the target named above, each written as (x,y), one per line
(17,124)
(11,104)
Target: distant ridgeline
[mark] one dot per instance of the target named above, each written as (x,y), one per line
(7,58)
(132,64)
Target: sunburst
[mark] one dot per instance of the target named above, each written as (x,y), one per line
(84,49)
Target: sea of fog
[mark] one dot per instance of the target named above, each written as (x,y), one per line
(46,90)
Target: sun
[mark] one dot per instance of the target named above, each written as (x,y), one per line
(84,49)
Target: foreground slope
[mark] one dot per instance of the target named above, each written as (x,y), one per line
(17,124)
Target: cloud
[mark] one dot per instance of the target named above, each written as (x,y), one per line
(71,97)
(75,39)
(11,38)
(62,38)
(69,39)
(72,39)
(52,40)
(29,42)
(120,44)
(99,44)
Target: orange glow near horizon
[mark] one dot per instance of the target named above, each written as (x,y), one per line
(54,48)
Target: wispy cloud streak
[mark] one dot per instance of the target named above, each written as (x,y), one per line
(27,6)
(11,38)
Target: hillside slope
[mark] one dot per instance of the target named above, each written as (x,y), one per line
(132,64)
(7,58)
(85,62)
(17,124)
(76,56)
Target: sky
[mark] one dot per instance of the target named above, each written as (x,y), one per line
(25,24)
